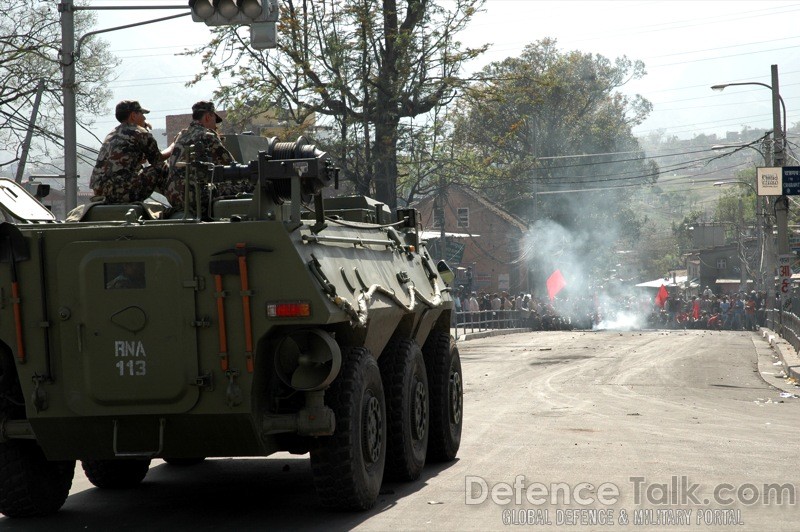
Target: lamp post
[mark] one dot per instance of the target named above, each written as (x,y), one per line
(778,145)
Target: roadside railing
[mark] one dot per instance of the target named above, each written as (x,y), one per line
(786,323)
(486,320)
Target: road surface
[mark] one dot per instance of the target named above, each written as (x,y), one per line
(603,430)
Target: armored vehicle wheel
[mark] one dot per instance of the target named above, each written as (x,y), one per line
(348,466)
(407,409)
(30,485)
(446,394)
(184,462)
(115,474)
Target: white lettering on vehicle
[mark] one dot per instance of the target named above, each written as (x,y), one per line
(130,350)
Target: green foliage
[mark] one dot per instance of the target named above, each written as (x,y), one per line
(30,42)
(521,131)
(515,129)
(735,208)
(527,113)
(362,66)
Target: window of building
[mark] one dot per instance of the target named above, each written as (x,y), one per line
(722,264)
(463,216)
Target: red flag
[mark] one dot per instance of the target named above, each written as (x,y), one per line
(661,296)
(555,283)
(696,309)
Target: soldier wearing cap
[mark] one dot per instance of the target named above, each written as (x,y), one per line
(120,174)
(206,146)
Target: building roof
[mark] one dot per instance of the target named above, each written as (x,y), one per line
(512,219)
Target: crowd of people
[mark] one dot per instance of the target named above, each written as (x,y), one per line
(737,311)
(502,310)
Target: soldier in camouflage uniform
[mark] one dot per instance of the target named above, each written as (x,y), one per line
(119,174)
(200,142)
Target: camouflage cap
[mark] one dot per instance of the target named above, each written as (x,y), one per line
(205,105)
(129,106)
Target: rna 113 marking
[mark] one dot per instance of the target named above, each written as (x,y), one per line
(130,350)
(132,368)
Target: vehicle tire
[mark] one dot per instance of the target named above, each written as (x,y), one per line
(348,465)
(446,396)
(116,474)
(184,462)
(407,409)
(30,485)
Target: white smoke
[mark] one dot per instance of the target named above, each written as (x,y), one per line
(590,263)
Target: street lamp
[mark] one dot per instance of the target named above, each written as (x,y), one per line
(782,129)
(745,183)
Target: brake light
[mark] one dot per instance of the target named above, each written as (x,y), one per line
(289,309)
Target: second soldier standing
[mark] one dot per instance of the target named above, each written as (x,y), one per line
(206,146)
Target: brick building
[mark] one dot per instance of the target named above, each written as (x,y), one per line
(479,235)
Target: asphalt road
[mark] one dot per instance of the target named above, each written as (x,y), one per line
(617,427)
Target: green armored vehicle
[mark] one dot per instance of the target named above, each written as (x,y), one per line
(282,322)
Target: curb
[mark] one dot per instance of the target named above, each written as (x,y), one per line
(786,353)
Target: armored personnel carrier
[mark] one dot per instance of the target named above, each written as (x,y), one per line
(282,321)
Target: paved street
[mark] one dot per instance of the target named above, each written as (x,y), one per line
(656,422)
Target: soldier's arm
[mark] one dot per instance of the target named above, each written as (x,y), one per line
(167,152)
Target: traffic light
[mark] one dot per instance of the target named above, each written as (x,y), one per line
(230,12)
(260,15)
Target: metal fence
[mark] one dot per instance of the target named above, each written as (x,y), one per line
(485,320)
(786,323)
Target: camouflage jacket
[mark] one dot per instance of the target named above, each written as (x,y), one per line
(124,151)
(207,148)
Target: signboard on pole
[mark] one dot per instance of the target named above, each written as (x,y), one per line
(769,181)
(778,181)
(791,180)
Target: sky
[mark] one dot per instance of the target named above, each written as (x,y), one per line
(686,46)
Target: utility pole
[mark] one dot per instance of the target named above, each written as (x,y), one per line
(68,92)
(26,144)
(782,202)
(743,267)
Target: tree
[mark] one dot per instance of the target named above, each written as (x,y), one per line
(547,135)
(528,114)
(30,39)
(364,65)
